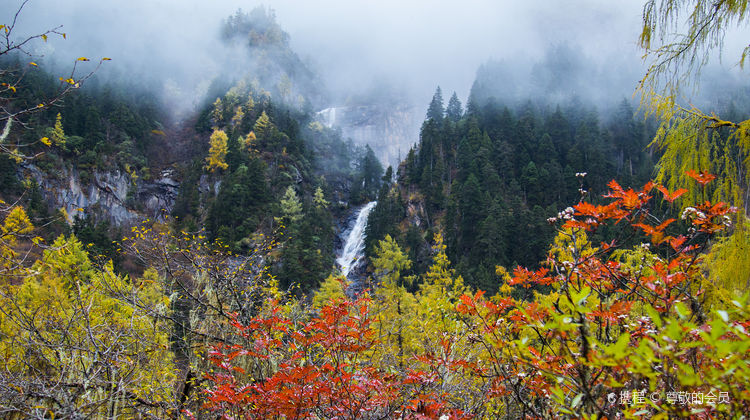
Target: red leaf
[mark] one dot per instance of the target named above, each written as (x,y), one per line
(702,178)
(677,242)
(671,196)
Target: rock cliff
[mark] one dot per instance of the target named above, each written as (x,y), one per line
(113,196)
(390,130)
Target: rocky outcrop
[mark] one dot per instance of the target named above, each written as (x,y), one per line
(113,196)
(390,130)
(205,187)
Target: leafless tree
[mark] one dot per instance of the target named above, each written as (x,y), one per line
(14,112)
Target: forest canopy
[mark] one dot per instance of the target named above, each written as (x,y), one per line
(536,258)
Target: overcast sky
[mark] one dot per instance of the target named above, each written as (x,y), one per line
(419,44)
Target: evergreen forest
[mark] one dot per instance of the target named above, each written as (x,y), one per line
(543,249)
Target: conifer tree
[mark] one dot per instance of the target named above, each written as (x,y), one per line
(331,289)
(16,224)
(262,127)
(249,142)
(217,113)
(394,307)
(239,114)
(471,208)
(250,104)
(291,207)
(372,171)
(436,111)
(454,110)
(319,199)
(390,261)
(217,153)
(58,135)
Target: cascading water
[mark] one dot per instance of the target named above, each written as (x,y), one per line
(328,117)
(354,245)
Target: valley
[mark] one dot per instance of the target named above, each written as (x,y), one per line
(228,223)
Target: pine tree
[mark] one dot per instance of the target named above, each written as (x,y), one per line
(262,127)
(436,111)
(471,208)
(217,113)
(240,204)
(319,198)
(217,154)
(238,116)
(234,157)
(394,307)
(454,110)
(371,172)
(331,289)
(250,104)
(389,261)
(58,135)
(291,207)
(249,142)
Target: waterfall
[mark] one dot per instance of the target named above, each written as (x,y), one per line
(328,117)
(354,246)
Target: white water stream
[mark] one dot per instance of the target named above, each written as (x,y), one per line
(328,117)
(354,246)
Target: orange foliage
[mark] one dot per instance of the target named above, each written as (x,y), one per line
(565,352)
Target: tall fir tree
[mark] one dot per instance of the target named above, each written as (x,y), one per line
(436,110)
(454,111)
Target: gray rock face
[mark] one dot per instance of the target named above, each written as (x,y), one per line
(204,187)
(389,130)
(113,196)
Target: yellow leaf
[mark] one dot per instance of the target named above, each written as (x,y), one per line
(82,59)
(159,132)
(64,36)
(46,141)
(13,88)
(106,59)
(44,37)
(33,63)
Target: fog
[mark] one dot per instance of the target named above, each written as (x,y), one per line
(354,45)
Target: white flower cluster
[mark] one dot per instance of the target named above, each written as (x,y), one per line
(692,213)
(566,214)
(580,174)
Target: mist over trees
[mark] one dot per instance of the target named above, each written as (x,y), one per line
(549,247)
(490,178)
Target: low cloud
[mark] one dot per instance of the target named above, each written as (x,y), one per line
(413,45)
